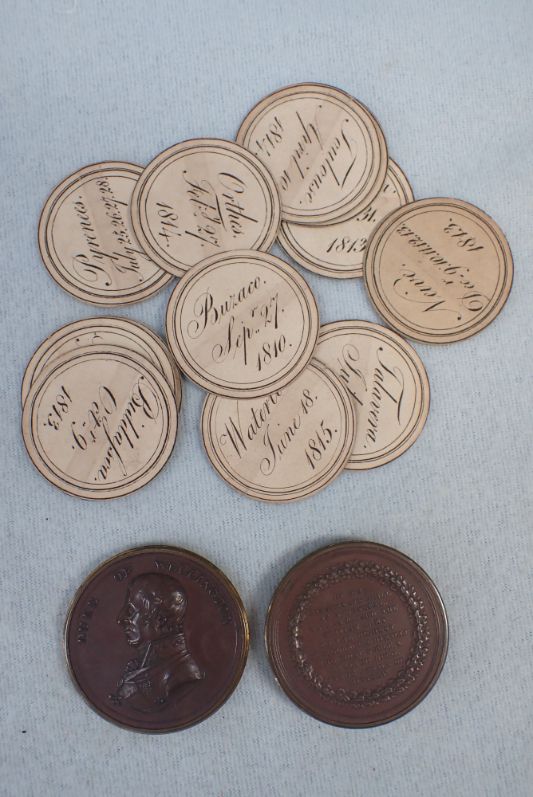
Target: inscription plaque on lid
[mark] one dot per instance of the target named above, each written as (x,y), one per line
(356,634)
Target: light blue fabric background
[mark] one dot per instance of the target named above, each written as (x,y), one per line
(451,83)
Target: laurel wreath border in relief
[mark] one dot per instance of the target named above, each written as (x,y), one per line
(406,676)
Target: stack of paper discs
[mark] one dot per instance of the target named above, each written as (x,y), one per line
(291,404)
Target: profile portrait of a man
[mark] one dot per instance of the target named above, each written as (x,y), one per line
(152,620)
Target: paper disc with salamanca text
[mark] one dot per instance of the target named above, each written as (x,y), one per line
(286,445)
(337,250)
(202,198)
(242,324)
(326,151)
(438,270)
(87,241)
(388,384)
(100,423)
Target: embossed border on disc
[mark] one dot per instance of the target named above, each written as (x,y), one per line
(217,574)
(361,198)
(416,426)
(159,352)
(287,239)
(54,266)
(253,164)
(384,306)
(71,486)
(252,389)
(305,684)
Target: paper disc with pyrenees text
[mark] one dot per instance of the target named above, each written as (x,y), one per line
(202,198)
(242,324)
(438,270)
(325,150)
(87,241)
(286,445)
(388,384)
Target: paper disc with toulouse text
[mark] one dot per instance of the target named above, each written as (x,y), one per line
(325,150)
(286,445)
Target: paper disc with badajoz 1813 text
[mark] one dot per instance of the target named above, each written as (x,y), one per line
(356,634)
(156,639)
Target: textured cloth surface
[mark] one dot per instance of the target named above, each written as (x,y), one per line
(451,83)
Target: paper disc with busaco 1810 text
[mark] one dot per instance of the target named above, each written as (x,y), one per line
(242,324)
(100,423)
(286,445)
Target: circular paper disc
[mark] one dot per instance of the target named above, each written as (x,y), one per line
(201,198)
(156,639)
(100,423)
(438,270)
(325,150)
(87,241)
(388,383)
(284,446)
(356,634)
(337,250)
(242,324)
(99,331)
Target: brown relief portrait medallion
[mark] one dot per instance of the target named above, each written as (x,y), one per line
(387,382)
(286,445)
(325,150)
(101,422)
(201,198)
(87,241)
(356,634)
(438,270)
(156,639)
(337,250)
(242,324)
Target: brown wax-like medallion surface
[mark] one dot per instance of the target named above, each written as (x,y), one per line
(242,324)
(87,241)
(101,422)
(286,445)
(326,151)
(388,384)
(100,331)
(356,634)
(337,250)
(156,639)
(438,270)
(201,198)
